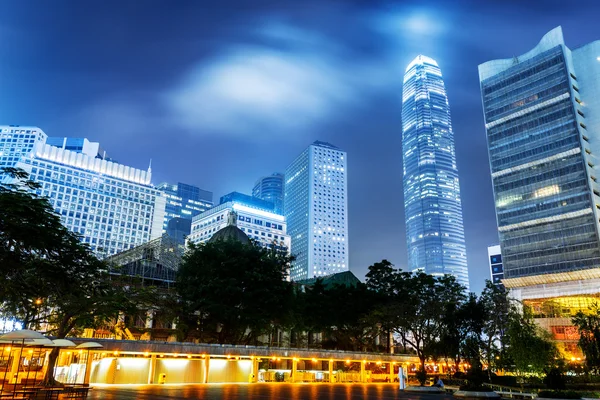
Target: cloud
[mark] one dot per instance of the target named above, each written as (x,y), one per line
(289,82)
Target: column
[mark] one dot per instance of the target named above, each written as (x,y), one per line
(363,373)
(254,370)
(14,367)
(294,369)
(206,366)
(152,369)
(392,374)
(331,371)
(88,367)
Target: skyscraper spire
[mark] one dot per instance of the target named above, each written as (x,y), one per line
(432,204)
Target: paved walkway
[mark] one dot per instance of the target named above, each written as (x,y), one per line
(262,391)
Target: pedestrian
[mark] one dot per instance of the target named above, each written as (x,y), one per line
(437,382)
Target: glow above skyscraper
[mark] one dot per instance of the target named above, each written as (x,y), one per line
(432,204)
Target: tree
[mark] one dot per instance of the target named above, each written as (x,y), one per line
(498,308)
(529,348)
(42,260)
(421,316)
(588,325)
(234,292)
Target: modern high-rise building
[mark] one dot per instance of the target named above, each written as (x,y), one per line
(495,260)
(316,209)
(114,207)
(183,202)
(250,201)
(432,205)
(270,188)
(542,117)
(255,217)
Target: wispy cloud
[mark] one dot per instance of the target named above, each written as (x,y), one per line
(287,83)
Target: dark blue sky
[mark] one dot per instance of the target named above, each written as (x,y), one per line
(220,93)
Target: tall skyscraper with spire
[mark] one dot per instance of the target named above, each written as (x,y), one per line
(432,205)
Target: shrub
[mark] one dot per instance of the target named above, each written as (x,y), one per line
(469,387)
(555,379)
(557,394)
(505,380)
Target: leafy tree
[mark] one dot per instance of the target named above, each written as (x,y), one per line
(421,316)
(41,260)
(381,282)
(529,348)
(234,292)
(498,309)
(588,325)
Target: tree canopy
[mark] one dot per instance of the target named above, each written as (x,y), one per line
(233,292)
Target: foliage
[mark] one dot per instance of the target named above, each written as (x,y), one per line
(588,325)
(530,348)
(555,379)
(498,308)
(547,394)
(233,292)
(421,376)
(48,275)
(471,387)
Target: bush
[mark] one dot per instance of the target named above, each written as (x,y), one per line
(557,394)
(421,376)
(506,380)
(469,387)
(279,377)
(555,379)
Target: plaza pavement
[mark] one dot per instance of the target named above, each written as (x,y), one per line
(262,391)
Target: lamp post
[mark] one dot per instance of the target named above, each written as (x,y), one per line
(38,304)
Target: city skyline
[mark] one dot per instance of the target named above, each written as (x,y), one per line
(98,85)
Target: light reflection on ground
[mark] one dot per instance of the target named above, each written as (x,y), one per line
(263,391)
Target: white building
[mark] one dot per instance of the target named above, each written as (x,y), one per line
(263,226)
(112,206)
(316,208)
(495,264)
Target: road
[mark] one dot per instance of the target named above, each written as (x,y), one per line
(266,391)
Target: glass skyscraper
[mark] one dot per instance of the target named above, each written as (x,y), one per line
(270,188)
(542,117)
(316,210)
(432,205)
(184,201)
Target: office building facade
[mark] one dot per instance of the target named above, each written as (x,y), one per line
(260,224)
(270,188)
(316,209)
(183,203)
(495,263)
(542,116)
(114,207)
(432,203)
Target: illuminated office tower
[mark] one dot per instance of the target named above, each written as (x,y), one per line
(183,203)
(316,209)
(112,206)
(432,205)
(253,216)
(542,117)
(270,188)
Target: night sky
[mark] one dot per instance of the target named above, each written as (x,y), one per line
(218,94)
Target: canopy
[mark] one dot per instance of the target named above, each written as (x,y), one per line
(24,334)
(89,345)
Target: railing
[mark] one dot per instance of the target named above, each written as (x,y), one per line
(507,391)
